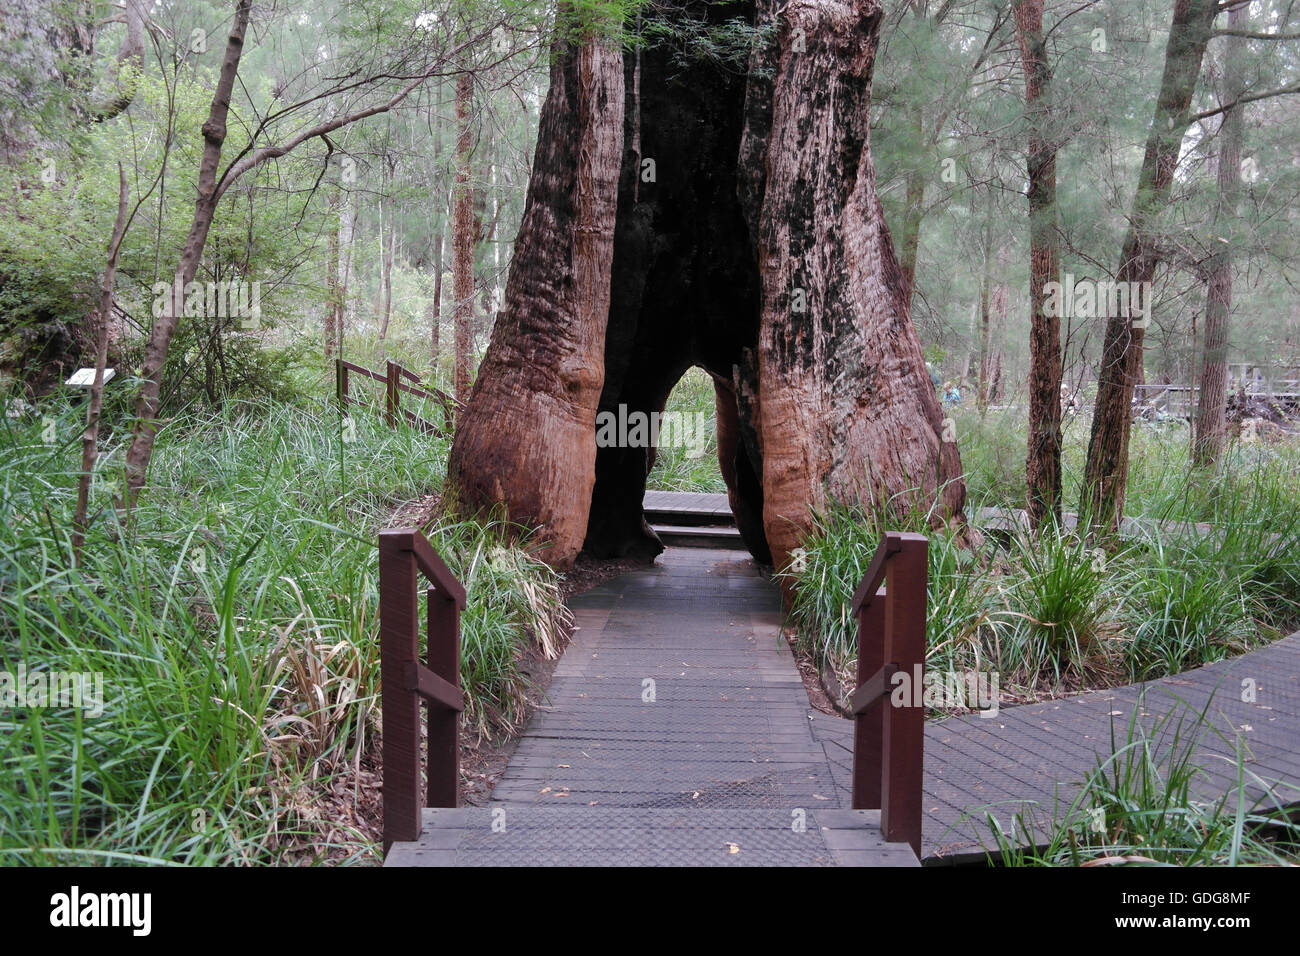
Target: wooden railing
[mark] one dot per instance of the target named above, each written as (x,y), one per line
(888,740)
(394,386)
(405,555)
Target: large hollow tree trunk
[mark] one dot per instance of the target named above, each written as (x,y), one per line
(1043,457)
(1105,478)
(527,438)
(846,408)
(827,400)
(1211,418)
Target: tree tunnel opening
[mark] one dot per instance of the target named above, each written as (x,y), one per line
(684,289)
(685,211)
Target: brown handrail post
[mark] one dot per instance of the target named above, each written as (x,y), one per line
(398,645)
(391,398)
(405,683)
(341,383)
(444,724)
(889,737)
(903,727)
(868,726)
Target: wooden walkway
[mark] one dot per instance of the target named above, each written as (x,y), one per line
(678,732)
(1032,759)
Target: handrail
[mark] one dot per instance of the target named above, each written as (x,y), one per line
(405,682)
(393,387)
(888,741)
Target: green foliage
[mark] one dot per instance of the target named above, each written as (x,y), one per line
(965,626)
(42,314)
(1058,597)
(234,627)
(680,467)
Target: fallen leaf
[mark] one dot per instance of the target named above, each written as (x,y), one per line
(733,848)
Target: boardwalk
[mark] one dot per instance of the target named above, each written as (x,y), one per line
(677,732)
(715,760)
(1032,759)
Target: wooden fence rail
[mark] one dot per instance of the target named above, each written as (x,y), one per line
(405,555)
(888,739)
(394,386)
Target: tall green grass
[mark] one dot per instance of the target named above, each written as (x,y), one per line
(681,468)
(1208,566)
(235,629)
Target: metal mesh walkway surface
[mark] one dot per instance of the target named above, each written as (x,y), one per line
(677,732)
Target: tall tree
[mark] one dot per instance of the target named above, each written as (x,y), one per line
(747,239)
(1043,460)
(1105,478)
(462,237)
(527,436)
(1211,424)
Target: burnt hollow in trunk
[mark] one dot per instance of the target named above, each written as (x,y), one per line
(684,288)
(722,216)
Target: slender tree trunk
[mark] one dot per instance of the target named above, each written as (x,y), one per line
(914,209)
(333,280)
(463,238)
(1105,479)
(985,281)
(1043,460)
(527,437)
(90,437)
(388,274)
(347,235)
(155,356)
(386,254)
(1211,418)
(435,306)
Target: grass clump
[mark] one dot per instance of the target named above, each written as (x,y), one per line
(1142,805)
(234,629)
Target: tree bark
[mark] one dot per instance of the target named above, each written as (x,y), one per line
(1211,418)
(463,238)
(985,281)
(527,437)
(846,408)
(386,276)
(333,280)
(90,437)
(1043,458)
(914,208)
(734,190)
(1105,480)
